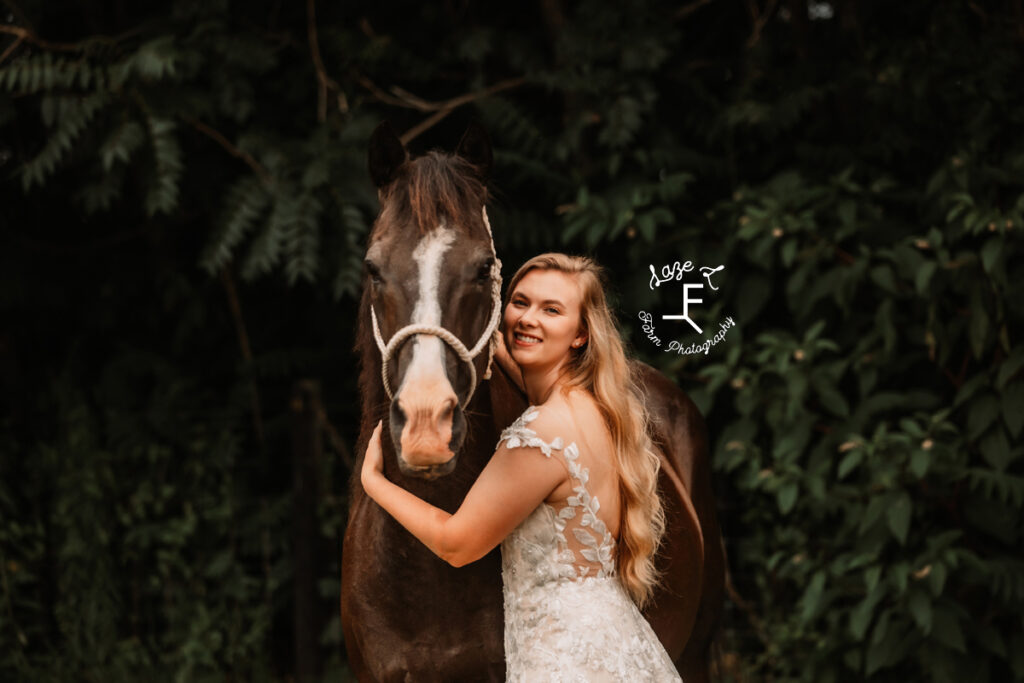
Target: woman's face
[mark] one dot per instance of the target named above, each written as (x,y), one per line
(542,319)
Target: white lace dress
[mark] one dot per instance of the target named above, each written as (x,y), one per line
(567,617)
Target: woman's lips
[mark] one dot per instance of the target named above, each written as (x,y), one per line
(520,339)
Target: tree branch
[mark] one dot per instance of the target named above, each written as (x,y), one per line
(760,18)
(31,37)
(324,82)
(11,48)
(687,10)
(217,137)
(243,344)
(748,609)
(400,97)
(337,443)
(425,124)
(405,99)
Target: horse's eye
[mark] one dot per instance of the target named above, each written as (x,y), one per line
(483,273)
(373,271)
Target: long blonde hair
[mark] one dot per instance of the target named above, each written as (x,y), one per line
(600,366)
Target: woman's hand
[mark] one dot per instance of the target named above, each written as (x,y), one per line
(506,361)
(373,461)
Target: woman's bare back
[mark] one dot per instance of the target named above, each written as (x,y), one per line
(584,425)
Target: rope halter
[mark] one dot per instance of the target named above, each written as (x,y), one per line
(489,338)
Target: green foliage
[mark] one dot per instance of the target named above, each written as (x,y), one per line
(858,176)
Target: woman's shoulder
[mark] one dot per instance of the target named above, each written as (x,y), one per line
(538,427)
(563,419)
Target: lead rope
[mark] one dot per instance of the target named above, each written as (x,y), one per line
(488,338)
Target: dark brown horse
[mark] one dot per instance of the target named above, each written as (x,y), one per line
(427,308)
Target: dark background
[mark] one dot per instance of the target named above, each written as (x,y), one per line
(183,207)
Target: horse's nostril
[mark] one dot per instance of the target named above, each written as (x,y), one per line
(449,407)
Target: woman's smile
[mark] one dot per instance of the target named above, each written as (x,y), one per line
(523,339)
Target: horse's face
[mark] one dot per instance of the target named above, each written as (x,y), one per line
(429,263)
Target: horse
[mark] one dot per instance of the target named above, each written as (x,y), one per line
(432,288)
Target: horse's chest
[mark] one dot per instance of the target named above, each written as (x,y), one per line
(412,613)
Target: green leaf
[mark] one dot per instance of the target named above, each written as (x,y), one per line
(884,322)
(995,448)
(1009,367)
(872,575)
(121,143)
(923,277)
(919,462)
(861,615)
(990,638)
(811,601)
(898,516)
(787,495)
(882,276)
(156,59)
(969,388)
(245,204)
(979,325)
(920,606)
(850,461)
(831,398)
(876,506)
(1017,656)
(754,292)
(990,253)
(1013,407)
(788,252)
(983,411)
(886,650)
(937,578)
(162,193)
(847,213)
(946,629)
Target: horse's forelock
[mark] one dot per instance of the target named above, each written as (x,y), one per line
(433,189)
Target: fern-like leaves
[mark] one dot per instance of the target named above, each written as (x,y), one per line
(246,203)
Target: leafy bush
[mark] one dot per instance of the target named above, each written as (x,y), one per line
(185,207)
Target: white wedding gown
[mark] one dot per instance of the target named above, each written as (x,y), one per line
(567,617)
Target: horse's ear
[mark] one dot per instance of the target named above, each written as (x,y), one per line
(386,154)
(475,147)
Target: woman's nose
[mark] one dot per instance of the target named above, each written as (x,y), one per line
(529,317)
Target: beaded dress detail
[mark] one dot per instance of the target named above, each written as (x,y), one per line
(567,616)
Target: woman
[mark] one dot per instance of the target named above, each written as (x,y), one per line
(570,492)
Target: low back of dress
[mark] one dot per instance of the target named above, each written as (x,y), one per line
(567,617)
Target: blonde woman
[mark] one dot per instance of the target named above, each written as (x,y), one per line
(570,493)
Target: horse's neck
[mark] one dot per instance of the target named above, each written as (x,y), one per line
(507,400)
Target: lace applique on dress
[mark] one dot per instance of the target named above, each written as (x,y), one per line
(567,616)
(594,543)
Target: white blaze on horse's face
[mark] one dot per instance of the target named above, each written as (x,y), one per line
(426,396)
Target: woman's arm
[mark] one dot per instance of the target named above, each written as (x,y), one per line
(506,361)
(511,486)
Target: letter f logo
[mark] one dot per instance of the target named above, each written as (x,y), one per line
(686,307)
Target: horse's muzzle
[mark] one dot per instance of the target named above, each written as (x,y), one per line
(427,471)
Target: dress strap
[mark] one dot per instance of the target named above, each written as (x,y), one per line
(518,434)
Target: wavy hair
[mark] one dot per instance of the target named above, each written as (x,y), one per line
(600,367)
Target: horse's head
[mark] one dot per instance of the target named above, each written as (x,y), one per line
(431,285)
